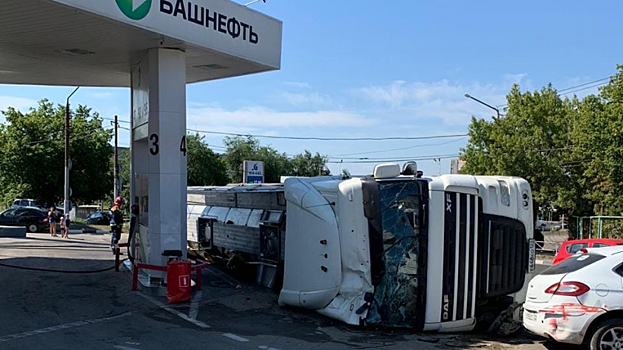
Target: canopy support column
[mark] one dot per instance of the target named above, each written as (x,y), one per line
(159,154)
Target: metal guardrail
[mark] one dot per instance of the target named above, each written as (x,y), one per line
(540,246)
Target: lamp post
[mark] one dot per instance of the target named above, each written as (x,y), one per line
(484,104)
(67,159)
(253,2)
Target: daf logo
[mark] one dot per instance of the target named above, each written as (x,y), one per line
(134,9)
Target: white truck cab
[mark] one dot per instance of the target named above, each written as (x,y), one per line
(394,249)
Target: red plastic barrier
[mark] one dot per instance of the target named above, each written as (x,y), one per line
(178,282)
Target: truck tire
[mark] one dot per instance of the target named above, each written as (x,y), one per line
(607,335)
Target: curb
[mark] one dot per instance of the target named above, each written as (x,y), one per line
(99,232)
(544,262)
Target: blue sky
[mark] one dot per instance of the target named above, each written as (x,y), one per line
(391,68)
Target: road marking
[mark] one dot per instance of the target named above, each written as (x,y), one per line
(266,347)
(235,337)
(61,327)
(194,305)
(175,312)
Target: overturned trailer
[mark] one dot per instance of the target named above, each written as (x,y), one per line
(393,249)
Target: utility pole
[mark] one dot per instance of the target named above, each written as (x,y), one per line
(116,170)
(438,161)
(67,194)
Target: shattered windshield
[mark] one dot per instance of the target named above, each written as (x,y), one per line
(397,296)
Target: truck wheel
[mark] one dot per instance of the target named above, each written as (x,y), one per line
(32,228)
(607,335)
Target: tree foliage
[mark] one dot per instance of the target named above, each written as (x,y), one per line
(204,166)
(276,164)
(32,155)
(570,150)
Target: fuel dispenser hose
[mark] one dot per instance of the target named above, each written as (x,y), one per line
(57,271)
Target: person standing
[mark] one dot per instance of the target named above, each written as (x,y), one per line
(65,224)
(52,221)
(62,226)
(116,222)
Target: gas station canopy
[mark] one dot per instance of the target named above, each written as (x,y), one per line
(98,42)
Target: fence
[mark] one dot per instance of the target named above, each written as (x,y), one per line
(599,227)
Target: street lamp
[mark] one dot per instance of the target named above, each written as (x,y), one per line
(484,103)
(253,2)
(67,189)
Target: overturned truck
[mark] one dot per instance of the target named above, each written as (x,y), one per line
(394,249)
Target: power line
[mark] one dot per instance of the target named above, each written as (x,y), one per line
(571,89)
(314,138)
(385,158)
(112,119)
(582,89)
(394,160)
(589,83)
(393,138)
(398,149)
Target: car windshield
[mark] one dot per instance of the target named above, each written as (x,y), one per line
(574,248)
(401,215)
(10,213)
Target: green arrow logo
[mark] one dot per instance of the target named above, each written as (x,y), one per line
(134,9)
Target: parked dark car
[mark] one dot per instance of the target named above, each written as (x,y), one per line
(31,218)
(98,218)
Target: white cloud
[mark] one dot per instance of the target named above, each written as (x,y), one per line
(306,99)
(219,119)
(298,84)
(19,103)
(443,100)
(515,78)
(101,95)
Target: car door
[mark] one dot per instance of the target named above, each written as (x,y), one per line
(32,216)
(25,217)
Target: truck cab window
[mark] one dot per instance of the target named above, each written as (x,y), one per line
(401,287)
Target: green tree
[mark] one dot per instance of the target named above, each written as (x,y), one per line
(599,147)
(308,164)
(32,155)
(205,167)
(570,150)
(276,164)
(531,141)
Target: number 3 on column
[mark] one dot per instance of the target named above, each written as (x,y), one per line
(155,148)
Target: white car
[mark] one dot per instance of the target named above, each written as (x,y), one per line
(580,300)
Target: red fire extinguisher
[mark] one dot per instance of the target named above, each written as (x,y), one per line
(178,281)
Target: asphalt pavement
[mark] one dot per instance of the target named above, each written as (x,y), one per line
(79,310)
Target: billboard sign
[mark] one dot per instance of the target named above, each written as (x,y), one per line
(253,172)
(220,25)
